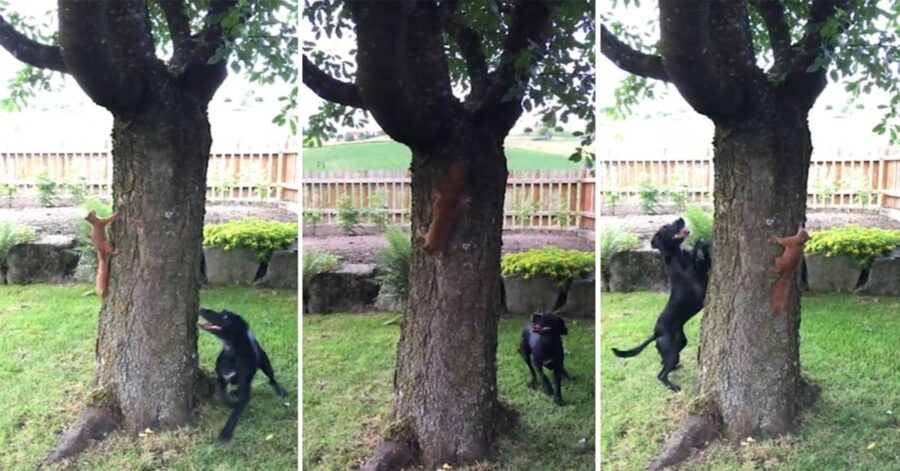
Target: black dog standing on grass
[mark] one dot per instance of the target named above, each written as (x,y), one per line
(237,363)
(541,347)
(688,274)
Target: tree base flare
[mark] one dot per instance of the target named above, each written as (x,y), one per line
(390,456)
(93,425)
(696,432)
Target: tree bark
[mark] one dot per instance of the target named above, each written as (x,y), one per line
(147,339)
(749,359)
(445,380)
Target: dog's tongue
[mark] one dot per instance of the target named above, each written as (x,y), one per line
(208,326)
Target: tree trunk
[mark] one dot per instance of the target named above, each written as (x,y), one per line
(749,359)
(445,381)
(147,342)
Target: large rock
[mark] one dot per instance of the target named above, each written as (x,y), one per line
(580,300)
(86,271)
(527,296)
(884,277)
(237,266)
(282,270)
(48,260)
(831,274)
(351,287)
(637,270)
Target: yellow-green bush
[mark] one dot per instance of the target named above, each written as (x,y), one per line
(863,244)
(560,264)
(261,237)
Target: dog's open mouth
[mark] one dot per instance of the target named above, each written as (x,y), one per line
(681,234)
(537,328)
(209,326)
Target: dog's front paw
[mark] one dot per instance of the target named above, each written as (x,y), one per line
(673,387)
(224,438)
(559,401)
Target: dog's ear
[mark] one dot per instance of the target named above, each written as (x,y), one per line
(562,326)
(654,242)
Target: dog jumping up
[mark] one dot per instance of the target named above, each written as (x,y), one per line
(237,363)
(541,347)
(785,266)
(688,274)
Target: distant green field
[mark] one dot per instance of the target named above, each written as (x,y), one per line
(388,155)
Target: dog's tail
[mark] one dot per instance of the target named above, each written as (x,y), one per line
(634,351)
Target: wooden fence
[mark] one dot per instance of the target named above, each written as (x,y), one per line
(837,178)
(534,199)
(239,176)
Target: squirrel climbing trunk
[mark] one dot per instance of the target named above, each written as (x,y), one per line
(448,205)
(786,264)
(103,247)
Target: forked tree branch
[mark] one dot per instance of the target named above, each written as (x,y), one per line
(469,42)
(84,39)
(772,13)
(684,31)
(179,25)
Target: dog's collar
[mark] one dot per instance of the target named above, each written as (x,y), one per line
(540,329)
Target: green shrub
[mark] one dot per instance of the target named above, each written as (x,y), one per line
(560,264)
(649,196)
(12,234)
(863,244)
(261,237)
(312,218)
(317,261)
(77,190)
(9,192)
(46,189)
(679,195)
(378,211)
(611,199)
(700,223)
(613,241)
(394,276)
(347,215)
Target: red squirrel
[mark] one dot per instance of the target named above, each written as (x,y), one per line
(786,264)
(103,247)
(447,207)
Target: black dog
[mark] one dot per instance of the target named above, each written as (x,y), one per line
(541,347)
(237,363)
(688,274)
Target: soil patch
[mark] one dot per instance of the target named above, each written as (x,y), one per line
(363,248)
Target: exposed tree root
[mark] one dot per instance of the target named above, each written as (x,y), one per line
(695,433)
(92,426)
(399,450)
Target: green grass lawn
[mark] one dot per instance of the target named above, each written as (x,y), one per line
(389,155)
(47,363)
(348,366)
(849,347)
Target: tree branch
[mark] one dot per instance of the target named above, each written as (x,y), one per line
(806,86)
(30,51)
(731,43)
(129,26)
(684,30)
(199,76)
(529,24)
(469,42)
(772,12)
(179,25)
(330,89)
(382,77)
(629,59)
(84,40)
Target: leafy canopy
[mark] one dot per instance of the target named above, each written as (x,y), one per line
(262,47)
(862,52)
(561,85)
